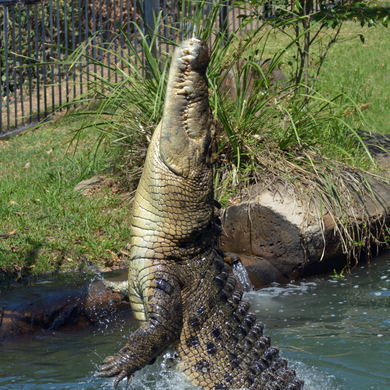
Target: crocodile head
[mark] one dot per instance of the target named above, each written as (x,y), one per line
(185,140)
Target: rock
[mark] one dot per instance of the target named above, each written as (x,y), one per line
(279,237)
(265,234)
(379,147)
(68,309)
(89,186)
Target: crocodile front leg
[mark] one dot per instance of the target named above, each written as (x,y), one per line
(163,311)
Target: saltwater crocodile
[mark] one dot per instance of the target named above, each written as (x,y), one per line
(179,286)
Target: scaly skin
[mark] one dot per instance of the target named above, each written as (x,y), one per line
(179,288)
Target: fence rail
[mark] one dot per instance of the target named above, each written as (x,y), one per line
(40,39)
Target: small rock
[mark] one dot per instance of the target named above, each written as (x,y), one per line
(88,186)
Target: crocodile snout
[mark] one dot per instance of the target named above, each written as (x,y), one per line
(194,53)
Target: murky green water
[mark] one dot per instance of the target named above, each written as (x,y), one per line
(336,334)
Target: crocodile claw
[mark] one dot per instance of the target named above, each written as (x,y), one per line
(119,378)
(118,366)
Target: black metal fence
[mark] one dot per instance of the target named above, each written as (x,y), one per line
(40,39)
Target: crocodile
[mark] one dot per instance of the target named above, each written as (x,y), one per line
(180,288)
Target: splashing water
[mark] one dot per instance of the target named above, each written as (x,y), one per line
(242,276)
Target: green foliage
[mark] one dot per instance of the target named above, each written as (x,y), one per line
(314,27)
(387,236)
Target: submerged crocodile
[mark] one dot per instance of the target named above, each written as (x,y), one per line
(179,287)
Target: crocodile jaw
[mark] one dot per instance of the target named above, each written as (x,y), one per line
(186,139)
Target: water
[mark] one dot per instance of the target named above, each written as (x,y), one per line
(242,276)
(335,333)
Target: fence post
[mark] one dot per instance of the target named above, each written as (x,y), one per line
(151,9)
(224,20)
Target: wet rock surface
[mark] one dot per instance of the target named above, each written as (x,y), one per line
(58,307)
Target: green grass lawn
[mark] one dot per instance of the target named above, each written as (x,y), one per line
(44,224)
(362,71)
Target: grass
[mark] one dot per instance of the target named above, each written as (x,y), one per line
(362,71)
(44,224)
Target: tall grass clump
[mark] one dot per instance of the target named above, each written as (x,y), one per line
(272,130)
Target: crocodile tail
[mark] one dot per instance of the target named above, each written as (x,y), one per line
(228,350)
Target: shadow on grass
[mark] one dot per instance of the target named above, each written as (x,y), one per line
(32,254)
(30,257)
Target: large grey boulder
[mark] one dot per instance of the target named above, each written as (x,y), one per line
(280,237)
